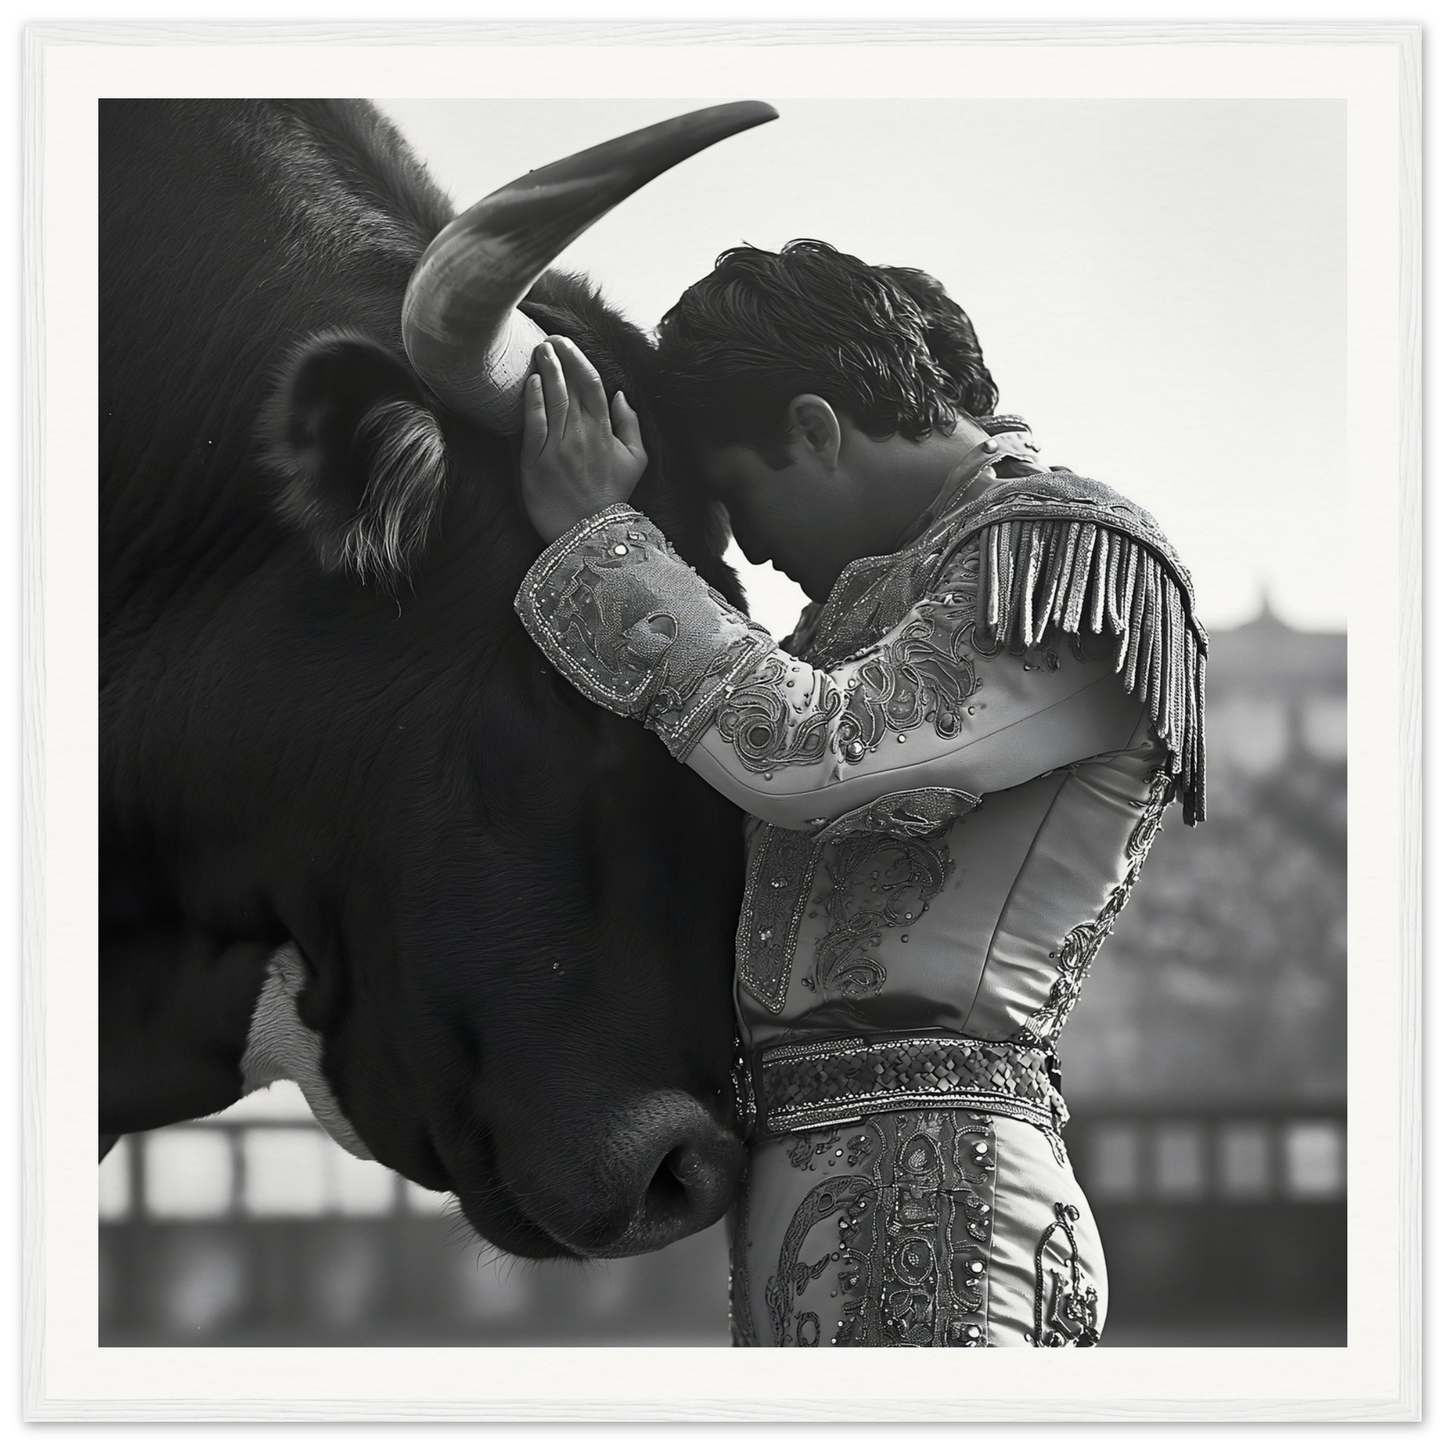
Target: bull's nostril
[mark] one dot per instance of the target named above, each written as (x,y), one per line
(668,1169)
(670,1184)
(685,1163)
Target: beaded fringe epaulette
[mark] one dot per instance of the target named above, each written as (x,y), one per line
(1061,552)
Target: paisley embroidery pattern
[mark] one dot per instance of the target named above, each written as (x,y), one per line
(924,674)
(913,1239)
(782,867)
(1066,1306)
(634,628)
(757,719)
(1081,945)
(878,883)
(821,1202)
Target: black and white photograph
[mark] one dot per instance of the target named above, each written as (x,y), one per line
(726,716)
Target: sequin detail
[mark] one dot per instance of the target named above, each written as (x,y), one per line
(637,630)
(1066,1305)
(906,874)
(784,862)
(1081,946)
(913,1240)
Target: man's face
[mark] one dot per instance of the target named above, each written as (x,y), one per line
(799,517)
(841,494)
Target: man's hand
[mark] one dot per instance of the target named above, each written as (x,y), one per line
(578,454)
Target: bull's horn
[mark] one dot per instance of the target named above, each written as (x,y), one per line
(459,321)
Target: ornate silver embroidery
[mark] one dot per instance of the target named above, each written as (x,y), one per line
(874,594)
(783,865)
(821,1202)
(806,1149)
(757,719)
(780,877)
(914,1239)
(1071,1316)
(744,1108)
(837,1081)
(878,883)
(925,674)
(916,813)
(635,629)
(1081,945)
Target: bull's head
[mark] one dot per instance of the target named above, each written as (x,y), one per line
(524,989)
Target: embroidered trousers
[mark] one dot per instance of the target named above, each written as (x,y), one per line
(916,1228)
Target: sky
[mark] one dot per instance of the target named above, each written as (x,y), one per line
(1158,285)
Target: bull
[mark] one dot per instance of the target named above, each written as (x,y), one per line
(324,735)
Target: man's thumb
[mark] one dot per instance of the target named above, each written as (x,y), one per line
(625,426)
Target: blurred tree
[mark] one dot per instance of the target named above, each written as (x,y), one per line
(1224,982)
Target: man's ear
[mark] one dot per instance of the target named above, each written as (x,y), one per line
(814,431)
(359,453)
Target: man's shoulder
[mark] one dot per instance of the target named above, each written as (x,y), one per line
(1057,553)
(1062,501)
(1057,494)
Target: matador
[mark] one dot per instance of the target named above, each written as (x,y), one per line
(953,770)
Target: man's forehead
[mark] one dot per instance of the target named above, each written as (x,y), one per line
(727,470)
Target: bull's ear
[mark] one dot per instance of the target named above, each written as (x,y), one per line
(360,455)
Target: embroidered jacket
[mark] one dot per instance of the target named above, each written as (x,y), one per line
(954,771)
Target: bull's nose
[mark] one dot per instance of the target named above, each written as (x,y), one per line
(664,1169)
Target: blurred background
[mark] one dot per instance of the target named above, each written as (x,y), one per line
(1204,1066)
(1159,288)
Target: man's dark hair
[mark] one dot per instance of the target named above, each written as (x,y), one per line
(885,345)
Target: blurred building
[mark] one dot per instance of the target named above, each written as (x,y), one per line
(1206,1063)
(1205,1067)
(1225,978)
(254,1228)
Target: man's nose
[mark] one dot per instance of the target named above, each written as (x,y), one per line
(748,543)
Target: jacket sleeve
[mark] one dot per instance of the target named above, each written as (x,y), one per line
(638,631)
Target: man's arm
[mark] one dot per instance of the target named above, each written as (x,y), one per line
(636,630)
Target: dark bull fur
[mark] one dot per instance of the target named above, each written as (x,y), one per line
(321,720)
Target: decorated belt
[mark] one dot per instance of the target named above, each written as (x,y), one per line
(839,1081)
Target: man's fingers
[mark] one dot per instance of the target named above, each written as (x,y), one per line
(554,387)
(534,419)
(626,427)
(583,383)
